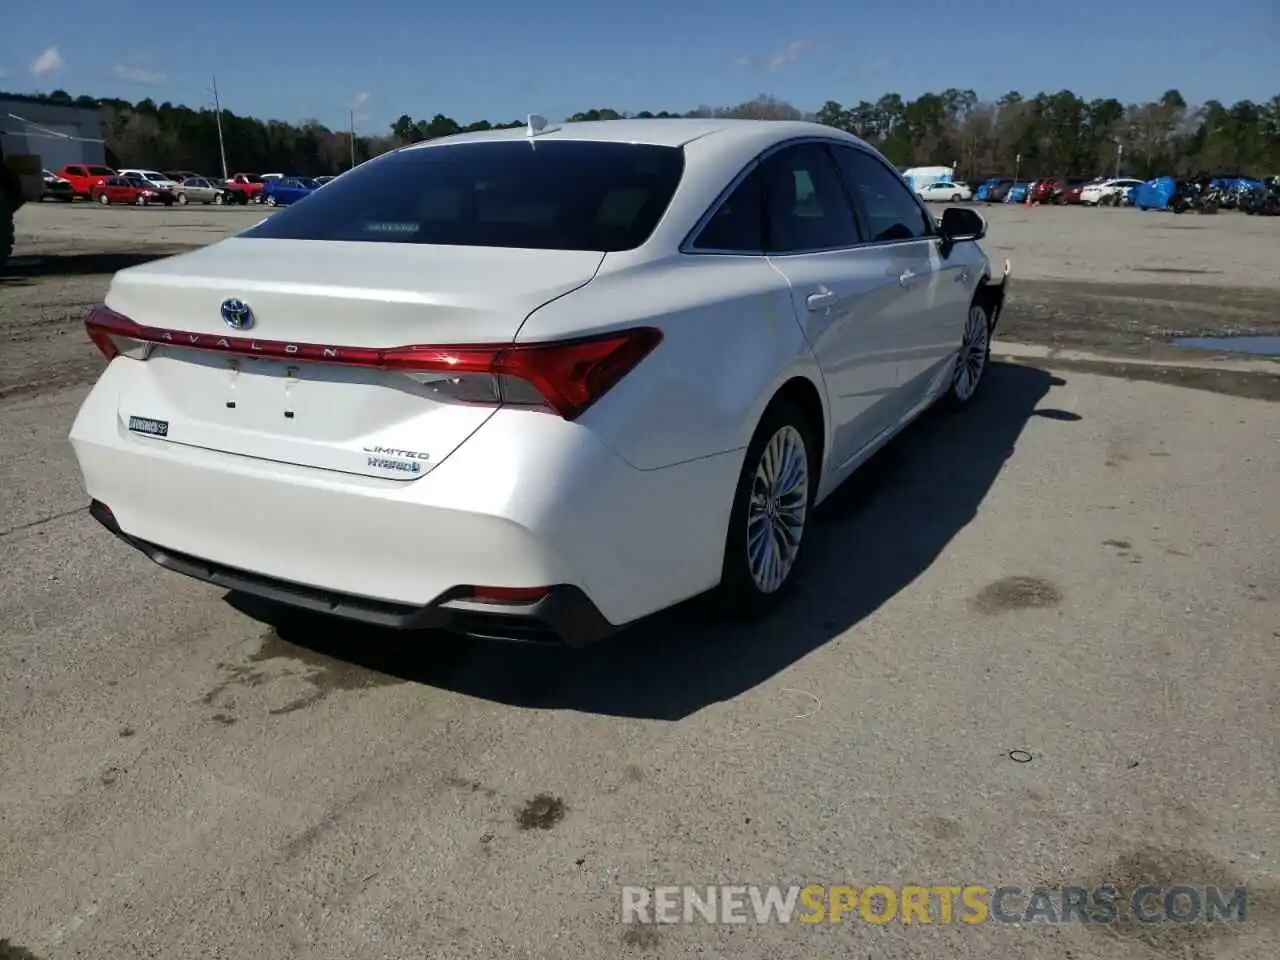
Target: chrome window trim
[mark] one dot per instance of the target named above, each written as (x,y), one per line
(687,247)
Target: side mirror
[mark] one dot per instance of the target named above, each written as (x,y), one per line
(958,224)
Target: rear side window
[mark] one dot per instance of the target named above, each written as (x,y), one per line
(101,172)
(544,195)
(888,207)
(737,226)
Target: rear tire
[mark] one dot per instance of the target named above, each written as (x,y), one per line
(972,359)
(182,199)
(104,199)
(772,506)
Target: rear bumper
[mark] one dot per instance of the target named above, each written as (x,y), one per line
(527,501)
(565,615)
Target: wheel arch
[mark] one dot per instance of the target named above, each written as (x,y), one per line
(990,293)
(803,393)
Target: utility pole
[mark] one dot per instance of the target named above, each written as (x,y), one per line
(217,109)
(1119,156)
(351,119)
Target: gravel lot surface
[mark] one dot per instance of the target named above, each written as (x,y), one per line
(1083,566)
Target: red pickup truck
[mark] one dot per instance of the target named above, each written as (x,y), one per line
(248,185)
(83,177)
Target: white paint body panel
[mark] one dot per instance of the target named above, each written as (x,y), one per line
(630,502)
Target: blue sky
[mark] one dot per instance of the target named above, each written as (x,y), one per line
(501,60)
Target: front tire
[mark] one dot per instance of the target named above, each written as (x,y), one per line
(971,360)
(771,509)
(182,199)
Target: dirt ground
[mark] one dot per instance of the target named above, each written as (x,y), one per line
(1034,644)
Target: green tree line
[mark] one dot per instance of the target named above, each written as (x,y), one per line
(1045,134)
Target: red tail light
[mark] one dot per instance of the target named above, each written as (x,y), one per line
(566,376)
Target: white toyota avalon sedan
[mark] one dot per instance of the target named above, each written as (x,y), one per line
(534,383)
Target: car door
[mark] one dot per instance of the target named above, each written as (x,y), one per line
(843,292)
(930,326)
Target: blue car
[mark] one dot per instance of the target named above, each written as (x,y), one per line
(287,190)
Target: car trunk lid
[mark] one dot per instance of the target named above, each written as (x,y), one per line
(271,391)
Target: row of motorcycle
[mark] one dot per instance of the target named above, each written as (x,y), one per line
(1203,195)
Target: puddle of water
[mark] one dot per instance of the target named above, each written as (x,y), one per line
(1264,346)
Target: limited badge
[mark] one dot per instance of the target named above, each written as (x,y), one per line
(152,428)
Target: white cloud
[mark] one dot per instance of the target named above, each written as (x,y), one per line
(48,62)
(792,52)
(360,100)
(133,73)
(780,58)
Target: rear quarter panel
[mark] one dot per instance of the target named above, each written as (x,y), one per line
(730,340)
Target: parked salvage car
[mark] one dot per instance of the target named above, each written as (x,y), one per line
(201,190)
(603,375)
(994,191)
(129,190)
(1262,199)
(286,190)
(247,185)
(83,177)
(1069,190)
(1109,192)
(152,178)
(57,188)
(946,191)
(1017,192)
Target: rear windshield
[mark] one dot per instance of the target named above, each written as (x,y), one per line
(545,195)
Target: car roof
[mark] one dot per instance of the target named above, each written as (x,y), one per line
(668,132)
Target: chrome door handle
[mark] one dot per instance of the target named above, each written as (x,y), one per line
(821,301)
(962,276)
(906,277)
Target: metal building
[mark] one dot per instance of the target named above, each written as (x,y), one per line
(58,133)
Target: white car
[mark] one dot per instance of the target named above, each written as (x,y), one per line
(152,178)
(1105,191)
(533,384)
(946,191)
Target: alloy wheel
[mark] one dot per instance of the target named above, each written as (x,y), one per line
(972,360)
(777,509)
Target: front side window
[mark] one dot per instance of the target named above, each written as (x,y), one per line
(545,194)
(806,207)
(888,208)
